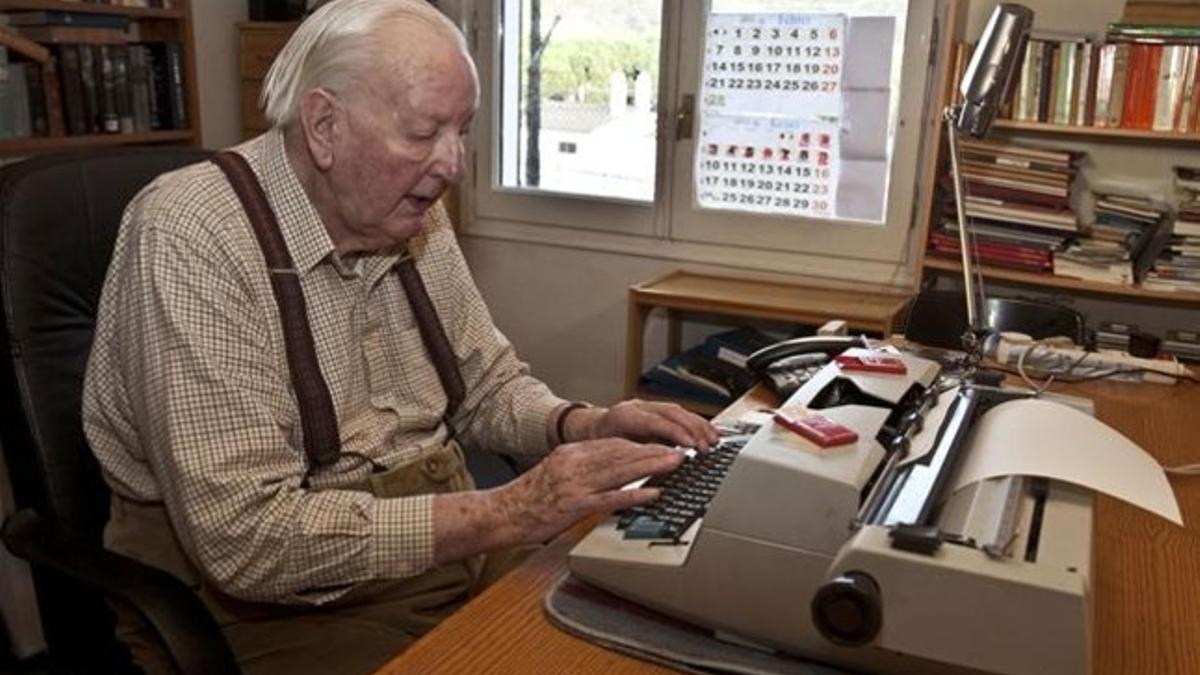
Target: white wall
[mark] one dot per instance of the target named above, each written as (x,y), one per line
(564,308)
(216,63)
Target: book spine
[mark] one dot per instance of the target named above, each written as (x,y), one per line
(7,121)
(1169,88)
(1024,84)
(56,124)
(91,94)
(1183,107)
(73,94)
(1148,96)
(37,99)
(1116,106)
(139,83)
(1035,74)
(179,118)
(160,82)
(1104,81)
(1083,96)
(1049,55)
(106,89)
(121,87)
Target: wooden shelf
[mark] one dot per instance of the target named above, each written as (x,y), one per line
(1091,133)
(1065,283)
(42,144)
(178,12)
(682,292)
(732,296)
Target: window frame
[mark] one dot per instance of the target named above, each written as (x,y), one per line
(652,230)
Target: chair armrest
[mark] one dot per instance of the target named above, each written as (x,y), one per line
(188,631)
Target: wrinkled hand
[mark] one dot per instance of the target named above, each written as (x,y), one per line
(654,421)
(578,480)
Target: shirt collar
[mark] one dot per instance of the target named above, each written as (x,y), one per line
(303,230)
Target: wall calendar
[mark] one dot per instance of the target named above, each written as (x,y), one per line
(771,108)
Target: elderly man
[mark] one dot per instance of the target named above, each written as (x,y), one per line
(290,350)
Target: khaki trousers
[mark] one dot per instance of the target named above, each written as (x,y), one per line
(353,636)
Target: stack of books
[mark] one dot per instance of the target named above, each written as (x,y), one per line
(1182,344)
(1116,247)
(100,80)
(1177,265)
(712,373)
(1173,272)
(1139,77)
(1114,336)
(1018,199)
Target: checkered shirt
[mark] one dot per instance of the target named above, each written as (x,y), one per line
(188,403)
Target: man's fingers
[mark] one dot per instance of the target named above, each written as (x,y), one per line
(657,459)
(597,455)
(668,422)
(615,500)
(701,433)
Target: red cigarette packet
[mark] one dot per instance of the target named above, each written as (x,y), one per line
(872,363)
(818,429)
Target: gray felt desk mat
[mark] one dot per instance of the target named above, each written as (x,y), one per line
(600,617)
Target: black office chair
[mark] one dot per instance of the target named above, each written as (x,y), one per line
(58,220)
(938,319)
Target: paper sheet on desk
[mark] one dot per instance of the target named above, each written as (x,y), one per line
(1031,437)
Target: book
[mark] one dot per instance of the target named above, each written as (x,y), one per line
(669,379)
(106,89)
(73,97)
(735,346)
(122,91)
(1116,106)
(139,85)
(91,89)
(52,91)
(34,83)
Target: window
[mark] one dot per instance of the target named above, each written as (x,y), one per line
(793,136)
(580,74)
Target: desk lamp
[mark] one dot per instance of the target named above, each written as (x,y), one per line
(985,86)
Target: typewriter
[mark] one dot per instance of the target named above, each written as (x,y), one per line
(860,555)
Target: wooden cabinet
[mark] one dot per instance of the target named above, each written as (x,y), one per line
(259,42)
(149,25)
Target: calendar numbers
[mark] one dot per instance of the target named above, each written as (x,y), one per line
(771,109)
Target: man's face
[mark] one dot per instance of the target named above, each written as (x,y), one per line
(402,147)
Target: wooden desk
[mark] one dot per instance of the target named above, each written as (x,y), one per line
(1145,586)
(682,291)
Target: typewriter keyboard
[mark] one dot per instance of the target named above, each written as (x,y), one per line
(686,493)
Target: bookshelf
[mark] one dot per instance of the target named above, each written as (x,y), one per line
(178,12)
(173,24)
(1074,135)
(1065,283)
(1097,134)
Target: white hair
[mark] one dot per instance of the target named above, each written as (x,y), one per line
(337,46)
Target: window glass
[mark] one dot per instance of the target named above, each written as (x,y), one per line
(578,87)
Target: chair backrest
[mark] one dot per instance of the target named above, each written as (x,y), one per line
(938,318)
(59,217)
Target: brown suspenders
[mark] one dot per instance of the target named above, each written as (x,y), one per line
(318,421)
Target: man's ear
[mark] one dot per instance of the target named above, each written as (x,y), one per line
(320,117)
